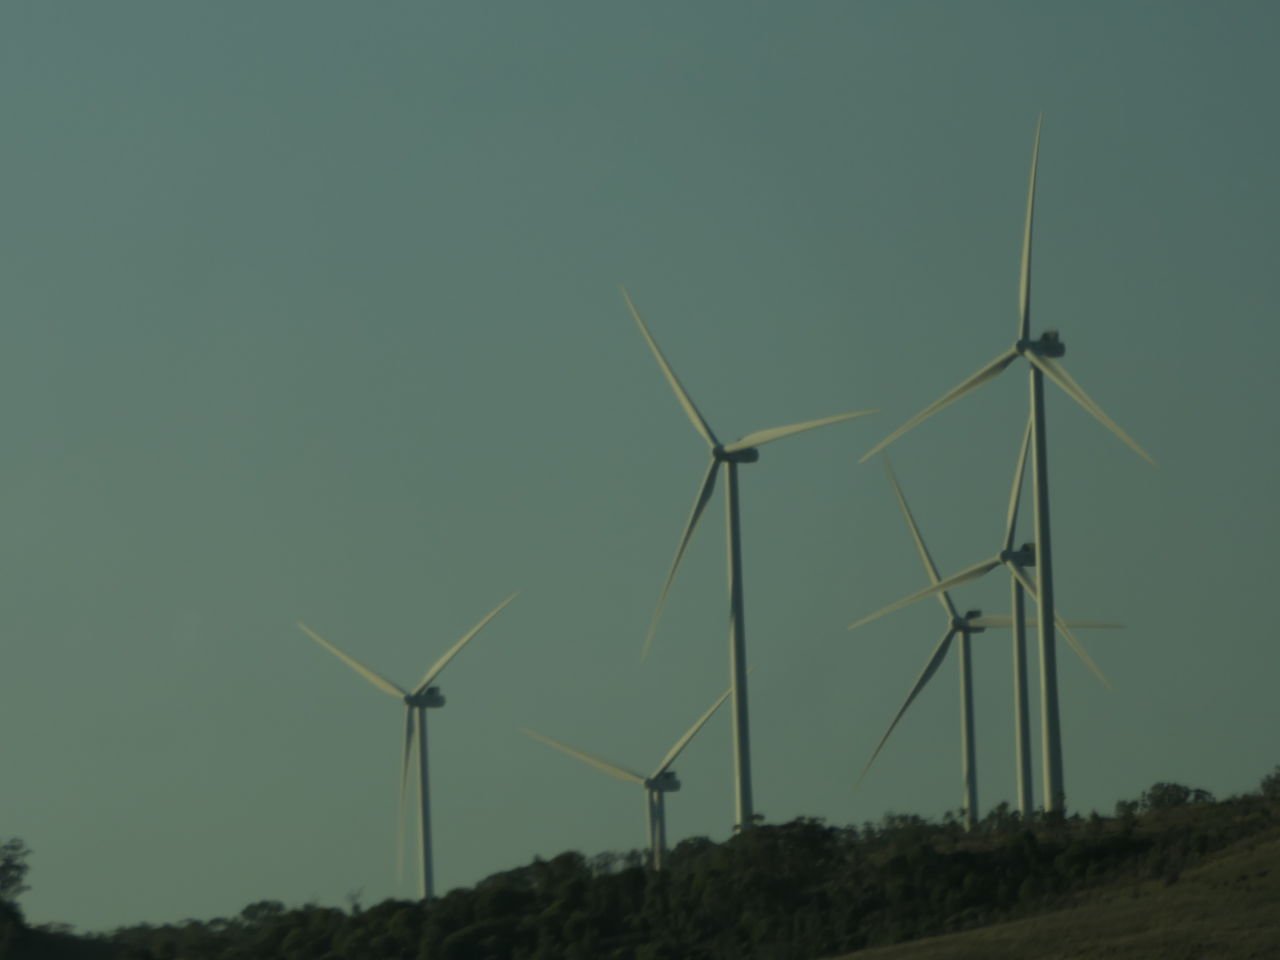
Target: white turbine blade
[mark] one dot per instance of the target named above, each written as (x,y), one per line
(692,732)
(930,668)
(761,437)
(1024,280)
(972,383)
(466,638)
(964,576)
(1015,495)
(604,766)
(704,495)
(1017,573)
(1058,374)
(993,622)
(1004,621)
(379,681)
(930,568)
(682,395)
(1081,652)
(1062,625)
(404,788)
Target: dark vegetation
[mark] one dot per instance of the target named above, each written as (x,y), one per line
(798,890)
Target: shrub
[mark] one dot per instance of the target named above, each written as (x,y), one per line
(1166,796)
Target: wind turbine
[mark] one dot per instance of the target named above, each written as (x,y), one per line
(965,627)
(728,455)
(656,786)
(417,701)
(1042,355)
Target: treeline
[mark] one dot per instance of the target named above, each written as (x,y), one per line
(789,892)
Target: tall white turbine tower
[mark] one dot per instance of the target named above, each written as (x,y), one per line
(1042,354)
(417,701)
(728,455)
(656,785)
(964,627)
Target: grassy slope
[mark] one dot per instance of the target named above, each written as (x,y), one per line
(1227,908)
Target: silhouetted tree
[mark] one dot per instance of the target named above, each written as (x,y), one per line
(13,870)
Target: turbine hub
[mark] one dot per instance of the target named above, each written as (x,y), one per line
(965,623)
(749,455)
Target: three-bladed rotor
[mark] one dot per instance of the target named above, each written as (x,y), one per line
(662,778)
(972,621)
(423,696)
(743,450)
(1042,353)
(1015,561)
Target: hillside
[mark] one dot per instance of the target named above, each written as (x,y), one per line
(1174,874)
(1227,908)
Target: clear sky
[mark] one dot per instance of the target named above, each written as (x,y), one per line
(312,312)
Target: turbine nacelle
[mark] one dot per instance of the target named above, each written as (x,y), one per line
(749,455)
(665,782)
(1048,344)
(427,699)
(1024,556)
(965,624)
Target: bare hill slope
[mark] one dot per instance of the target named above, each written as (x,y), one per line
(1227,908)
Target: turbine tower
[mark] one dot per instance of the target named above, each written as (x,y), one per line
(417,701)
(729,456)
(656,786)
(964,627)
(1042,355)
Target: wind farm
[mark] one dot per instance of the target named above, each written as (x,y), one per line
(962,628)
(1042,355)
(316,315)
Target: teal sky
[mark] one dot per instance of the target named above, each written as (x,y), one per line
(312,312)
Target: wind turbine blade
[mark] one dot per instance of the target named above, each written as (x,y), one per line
(1003,621)
(930,668)
(761,437)
(404,788)
(692,732)
(704,495)
(604,766)
(1062,625)
(1058,374)
(964,576)
(972,383)
(994,621)
(1017,573)
(1081,652)
(1015,495)
(1024,281)
(682,395)
(379,681)
(930,568)
(466,638)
